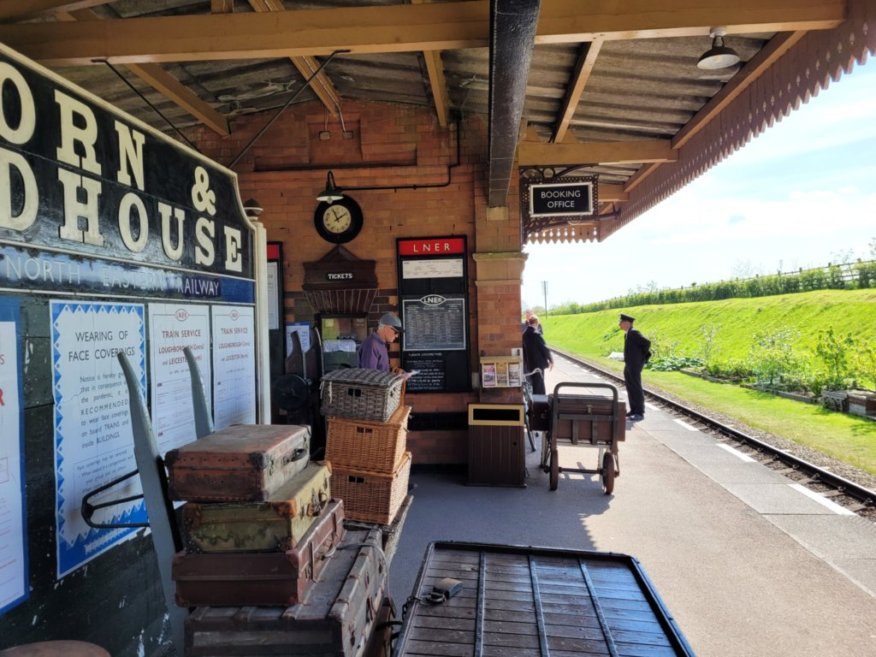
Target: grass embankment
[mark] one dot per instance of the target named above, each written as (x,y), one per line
(680,328)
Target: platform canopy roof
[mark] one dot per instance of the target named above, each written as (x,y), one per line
(570,87)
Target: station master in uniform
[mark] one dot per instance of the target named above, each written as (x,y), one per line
(637,351)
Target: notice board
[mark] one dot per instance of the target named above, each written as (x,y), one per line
(433,295)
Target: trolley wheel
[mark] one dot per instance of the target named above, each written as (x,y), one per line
(607,473)
(555,469)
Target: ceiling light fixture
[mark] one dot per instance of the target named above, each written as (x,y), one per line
(252,208)
(718,56)
(331,193)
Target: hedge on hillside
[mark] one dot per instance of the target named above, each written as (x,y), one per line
(860,275)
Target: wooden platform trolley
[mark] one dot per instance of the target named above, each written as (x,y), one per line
(595,419)
(487,600)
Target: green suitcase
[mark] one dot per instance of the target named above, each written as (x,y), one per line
(276,525)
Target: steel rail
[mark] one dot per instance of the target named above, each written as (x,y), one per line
(841,484)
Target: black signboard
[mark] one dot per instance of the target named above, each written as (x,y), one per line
(558,199)
(433,295)
(430,371)
(434,322)
(84,179)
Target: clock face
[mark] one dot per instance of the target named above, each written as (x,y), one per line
(336,219)
(338,222)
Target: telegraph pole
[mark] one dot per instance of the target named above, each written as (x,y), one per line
(544,289)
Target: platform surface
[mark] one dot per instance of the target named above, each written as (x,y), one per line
(747,562)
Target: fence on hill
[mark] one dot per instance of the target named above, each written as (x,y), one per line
(846,276)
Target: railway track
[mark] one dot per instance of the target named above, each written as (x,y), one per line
(851,495)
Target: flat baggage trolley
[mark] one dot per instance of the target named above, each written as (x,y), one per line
(595,419)
(483,600)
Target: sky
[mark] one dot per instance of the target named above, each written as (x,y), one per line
(801,194)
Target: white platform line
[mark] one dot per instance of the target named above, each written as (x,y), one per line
(822,500)
(742,456)
(686,425)
(651,407)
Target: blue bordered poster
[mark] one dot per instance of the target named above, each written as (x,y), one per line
(13,520)
(93,437)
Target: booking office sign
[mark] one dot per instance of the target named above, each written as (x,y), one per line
(99,213)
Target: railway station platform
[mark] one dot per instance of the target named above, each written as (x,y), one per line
(746,561)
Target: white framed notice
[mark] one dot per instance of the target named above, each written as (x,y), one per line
(234,384)
(13,523)
(94,442)
(172,328)
(432,268)
(303,331)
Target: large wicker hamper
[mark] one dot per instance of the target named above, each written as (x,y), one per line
(366,445)
(361,394)
(372,496)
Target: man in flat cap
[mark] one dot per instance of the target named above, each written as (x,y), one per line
(637,351)
(373,354)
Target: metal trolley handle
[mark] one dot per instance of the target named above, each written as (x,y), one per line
(88,508)
(572,384)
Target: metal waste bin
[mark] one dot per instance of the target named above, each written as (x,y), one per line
(496,455)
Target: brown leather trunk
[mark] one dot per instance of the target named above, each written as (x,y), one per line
(266,578)
(339,616)
(276,525)
(588,419)
(241,463)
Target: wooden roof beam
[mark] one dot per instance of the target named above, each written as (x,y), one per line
(174,90)
(222,6)
(612,193)
(321,85)
(435,70)
(164,83)
(583,69)
(22,9)
(396,28)
(759,64)
(588,153)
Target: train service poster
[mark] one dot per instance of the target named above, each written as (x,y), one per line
(13,528)
(172,328)
(234,382)
(93,435)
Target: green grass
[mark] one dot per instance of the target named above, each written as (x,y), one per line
(847,438)
(735,321)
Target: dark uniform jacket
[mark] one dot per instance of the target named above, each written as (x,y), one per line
(535,351)
(637,350)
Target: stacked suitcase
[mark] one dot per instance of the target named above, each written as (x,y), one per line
(365,442)
(267,564)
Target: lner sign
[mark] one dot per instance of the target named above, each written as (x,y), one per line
(558,199)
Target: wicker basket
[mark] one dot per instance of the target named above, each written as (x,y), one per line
(372,446)
(359,394)
(372,496)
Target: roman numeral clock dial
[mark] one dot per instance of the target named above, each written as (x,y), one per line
(338,222)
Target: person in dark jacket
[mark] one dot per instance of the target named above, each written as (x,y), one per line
(637,351)
(373,354)
(536,355)
(538,326)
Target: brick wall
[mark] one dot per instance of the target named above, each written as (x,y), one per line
(388,145)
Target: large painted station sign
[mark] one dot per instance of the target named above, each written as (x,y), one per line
(80,179)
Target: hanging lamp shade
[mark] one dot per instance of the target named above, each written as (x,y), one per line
(718,56)
(331,193)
